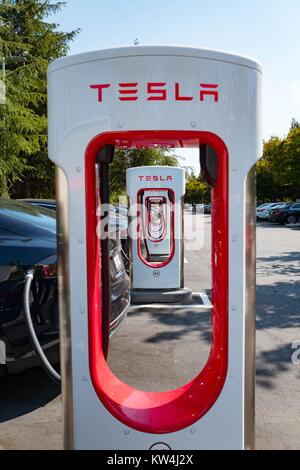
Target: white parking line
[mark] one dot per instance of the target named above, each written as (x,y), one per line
(200,306)
(206,303)
(205,299)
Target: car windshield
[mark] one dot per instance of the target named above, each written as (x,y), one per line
(26,219)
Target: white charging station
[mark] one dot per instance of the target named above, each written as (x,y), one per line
(155,195)
(149,96)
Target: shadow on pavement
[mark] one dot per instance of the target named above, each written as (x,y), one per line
(269,225)
(285,264)
(178,324)
(23,393)
(277,307)
(277,304)
(275,362)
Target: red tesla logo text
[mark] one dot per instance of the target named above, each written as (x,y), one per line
(157,91)
(155,178)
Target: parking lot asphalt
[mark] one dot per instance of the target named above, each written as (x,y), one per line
(30,412)
(277,327)
(161,347)
(172,342)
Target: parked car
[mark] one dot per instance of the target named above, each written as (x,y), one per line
(207,208)
(28,240)
(45,203)
(262,212)
(286,213)
(118,219)
(118,214)
(277,211)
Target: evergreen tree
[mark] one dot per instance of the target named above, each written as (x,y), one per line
(295,124)
(27,44)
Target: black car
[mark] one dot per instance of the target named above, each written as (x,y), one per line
(28,240)
(118,220)
(45,203)
(207,208)
(286,213)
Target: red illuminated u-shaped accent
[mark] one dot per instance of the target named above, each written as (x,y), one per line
(162,226)
(161,412)
(161,264)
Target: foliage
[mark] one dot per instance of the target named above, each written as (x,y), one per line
(295,124)
(27,43)
(278,172)
(196,190)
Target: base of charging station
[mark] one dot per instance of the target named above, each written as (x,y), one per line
(151,296)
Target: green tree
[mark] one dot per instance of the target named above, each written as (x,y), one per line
(278,172)
(27,43)
(196,190)
(267,190)
(287,164)
(295,124)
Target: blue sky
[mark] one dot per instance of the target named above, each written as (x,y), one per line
(267,30)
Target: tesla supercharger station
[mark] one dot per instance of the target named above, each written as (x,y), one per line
(157,96)
(155,195)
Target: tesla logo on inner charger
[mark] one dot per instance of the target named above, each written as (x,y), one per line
(156,91)
(155,178)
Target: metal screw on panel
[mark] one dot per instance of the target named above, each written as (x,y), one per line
(234,168)
(120,124)
(80,241)
(234,238)
(192,431)
(78,169)
(234,308)
(232,375)
(193,124)
(126,432)
(81,310)
(84,379)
